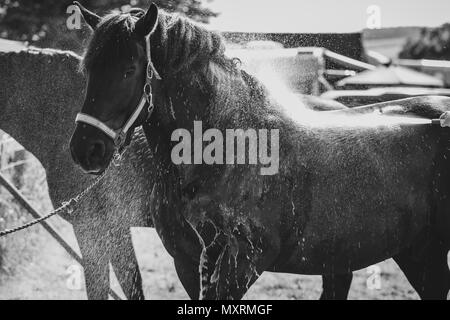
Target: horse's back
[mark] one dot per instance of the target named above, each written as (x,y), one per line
(321,104)
(428,107)
(365,182)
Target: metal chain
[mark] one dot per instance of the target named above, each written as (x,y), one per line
(85,191)
(67,206)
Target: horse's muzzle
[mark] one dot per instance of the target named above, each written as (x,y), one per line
(92,150)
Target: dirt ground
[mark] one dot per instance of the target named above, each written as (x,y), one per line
(34,266)
(40,269)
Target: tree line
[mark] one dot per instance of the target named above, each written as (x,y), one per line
(43,22)
(431,44)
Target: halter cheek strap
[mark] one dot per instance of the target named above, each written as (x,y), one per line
(119,135)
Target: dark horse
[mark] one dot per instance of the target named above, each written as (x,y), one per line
(42,91)
(352,189)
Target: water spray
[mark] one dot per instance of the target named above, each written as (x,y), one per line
(443,121)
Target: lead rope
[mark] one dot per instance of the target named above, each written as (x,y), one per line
(67,206)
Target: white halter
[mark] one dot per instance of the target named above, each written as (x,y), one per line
(119,135)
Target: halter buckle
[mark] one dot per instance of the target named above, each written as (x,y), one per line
(120,139)
(148,92)
(117,157)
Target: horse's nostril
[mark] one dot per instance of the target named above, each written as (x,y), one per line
(96,151)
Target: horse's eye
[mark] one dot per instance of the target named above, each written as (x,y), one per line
(128,73)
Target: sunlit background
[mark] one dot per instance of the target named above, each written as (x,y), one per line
(323,15)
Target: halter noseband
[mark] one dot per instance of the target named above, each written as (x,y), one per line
(119,135)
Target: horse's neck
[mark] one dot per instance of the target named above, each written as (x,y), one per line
(167,205)
(238,100)
(218,101)
(217,97)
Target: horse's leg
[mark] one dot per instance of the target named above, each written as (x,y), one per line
(189,276)
(427,272)
(227,273)
(221,287)
(336,286)
(125,265)
(93,246)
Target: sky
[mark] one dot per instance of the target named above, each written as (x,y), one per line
(324,15)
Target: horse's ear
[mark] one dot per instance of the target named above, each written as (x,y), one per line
(91,18)
(147,24)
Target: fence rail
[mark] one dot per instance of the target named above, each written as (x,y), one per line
(440,68)
(46,225)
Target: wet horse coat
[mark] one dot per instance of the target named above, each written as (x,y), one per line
(39,118)
(352,190)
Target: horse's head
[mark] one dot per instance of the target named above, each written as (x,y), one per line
(118,95)
(120,63)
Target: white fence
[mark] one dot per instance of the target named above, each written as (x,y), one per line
(438,68)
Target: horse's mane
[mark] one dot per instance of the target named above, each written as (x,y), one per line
(181,42)
(186,43)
